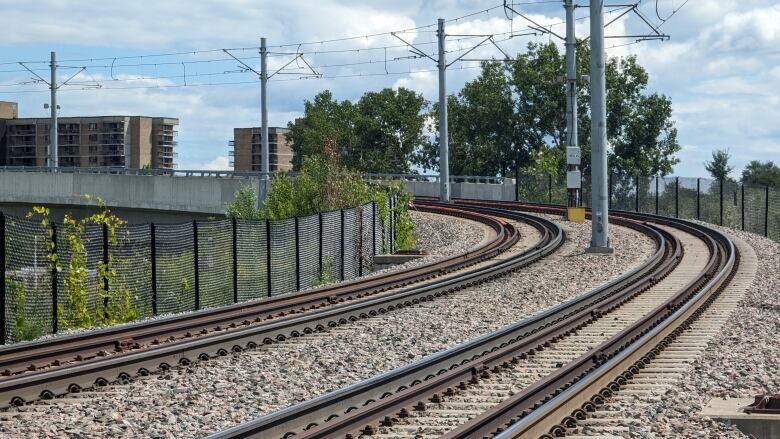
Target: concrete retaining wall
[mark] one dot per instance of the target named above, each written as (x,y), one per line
(185,195)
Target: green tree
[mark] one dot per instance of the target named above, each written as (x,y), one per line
(761,173)
(513,110)
(379,133)
(719,166)
(244,204)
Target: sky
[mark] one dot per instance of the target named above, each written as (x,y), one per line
(164,58)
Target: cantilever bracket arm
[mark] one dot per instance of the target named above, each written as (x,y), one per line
(536,26)
(37,75)
(415,49)
(246,66)
(470,50)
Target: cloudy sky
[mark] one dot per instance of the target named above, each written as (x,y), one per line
(164,58)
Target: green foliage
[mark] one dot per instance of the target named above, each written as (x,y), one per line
(74,311)
(761,173)
(244,204)
(23,329)
(499,121)
(719,166)
(325,276)
(378,133)
(405,238)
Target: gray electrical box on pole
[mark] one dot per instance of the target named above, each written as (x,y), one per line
(599,242)
(444,153)
(573,153)
(264,162)
(52,156)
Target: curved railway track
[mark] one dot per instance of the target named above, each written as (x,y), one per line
(538,377)
(60,365)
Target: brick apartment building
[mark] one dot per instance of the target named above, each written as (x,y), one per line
(245,155)
(95,141)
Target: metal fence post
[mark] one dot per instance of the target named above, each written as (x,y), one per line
(360,240)
(657,187)
(677,197)
(235,260)
(342,244)
(320,241)
(153,256)
(297,257)
(517,182)
(373,226)
(636,189)
(698,198)
(2,278)
(105,265)
(721,201)
(195,257)
(609,191)
(268,255)
(766,213)
(54,316)
(742,208)
(549,188)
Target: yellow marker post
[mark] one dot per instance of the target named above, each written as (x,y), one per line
(576,214)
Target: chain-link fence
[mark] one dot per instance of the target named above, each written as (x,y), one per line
(170,268)
(741,206)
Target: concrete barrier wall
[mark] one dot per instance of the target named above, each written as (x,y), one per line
(479,191)
(199,195)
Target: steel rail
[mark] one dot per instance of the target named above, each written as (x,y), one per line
(539,406)
(22,357)
(49,382)
(347,411)
(536,411)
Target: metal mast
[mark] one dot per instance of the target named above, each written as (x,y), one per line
(599,242)
(263,109)
(573,153)
(444,153)
(52,158)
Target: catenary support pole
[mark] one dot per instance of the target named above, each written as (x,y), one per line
(264,161)
(598,92)
(53,153)
(573,153)
(444,153)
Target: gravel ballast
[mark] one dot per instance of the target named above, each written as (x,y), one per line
(740,362)
(209,396)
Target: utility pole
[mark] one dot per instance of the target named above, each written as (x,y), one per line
(599,242)
(264,162)
(52,157)
(573,153)
(444,153)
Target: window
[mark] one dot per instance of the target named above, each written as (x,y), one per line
(93,137)
(92,127)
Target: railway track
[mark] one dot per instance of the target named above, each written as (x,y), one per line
(69,364)
(541,376)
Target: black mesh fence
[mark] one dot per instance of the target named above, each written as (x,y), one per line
(171,268)
(175,264)
(351,243)
(131,257)
(309,250)
(252,261)
(747,207)
(283,265)
(29,297)
(215,263)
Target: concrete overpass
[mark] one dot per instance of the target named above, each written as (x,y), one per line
(141,196)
